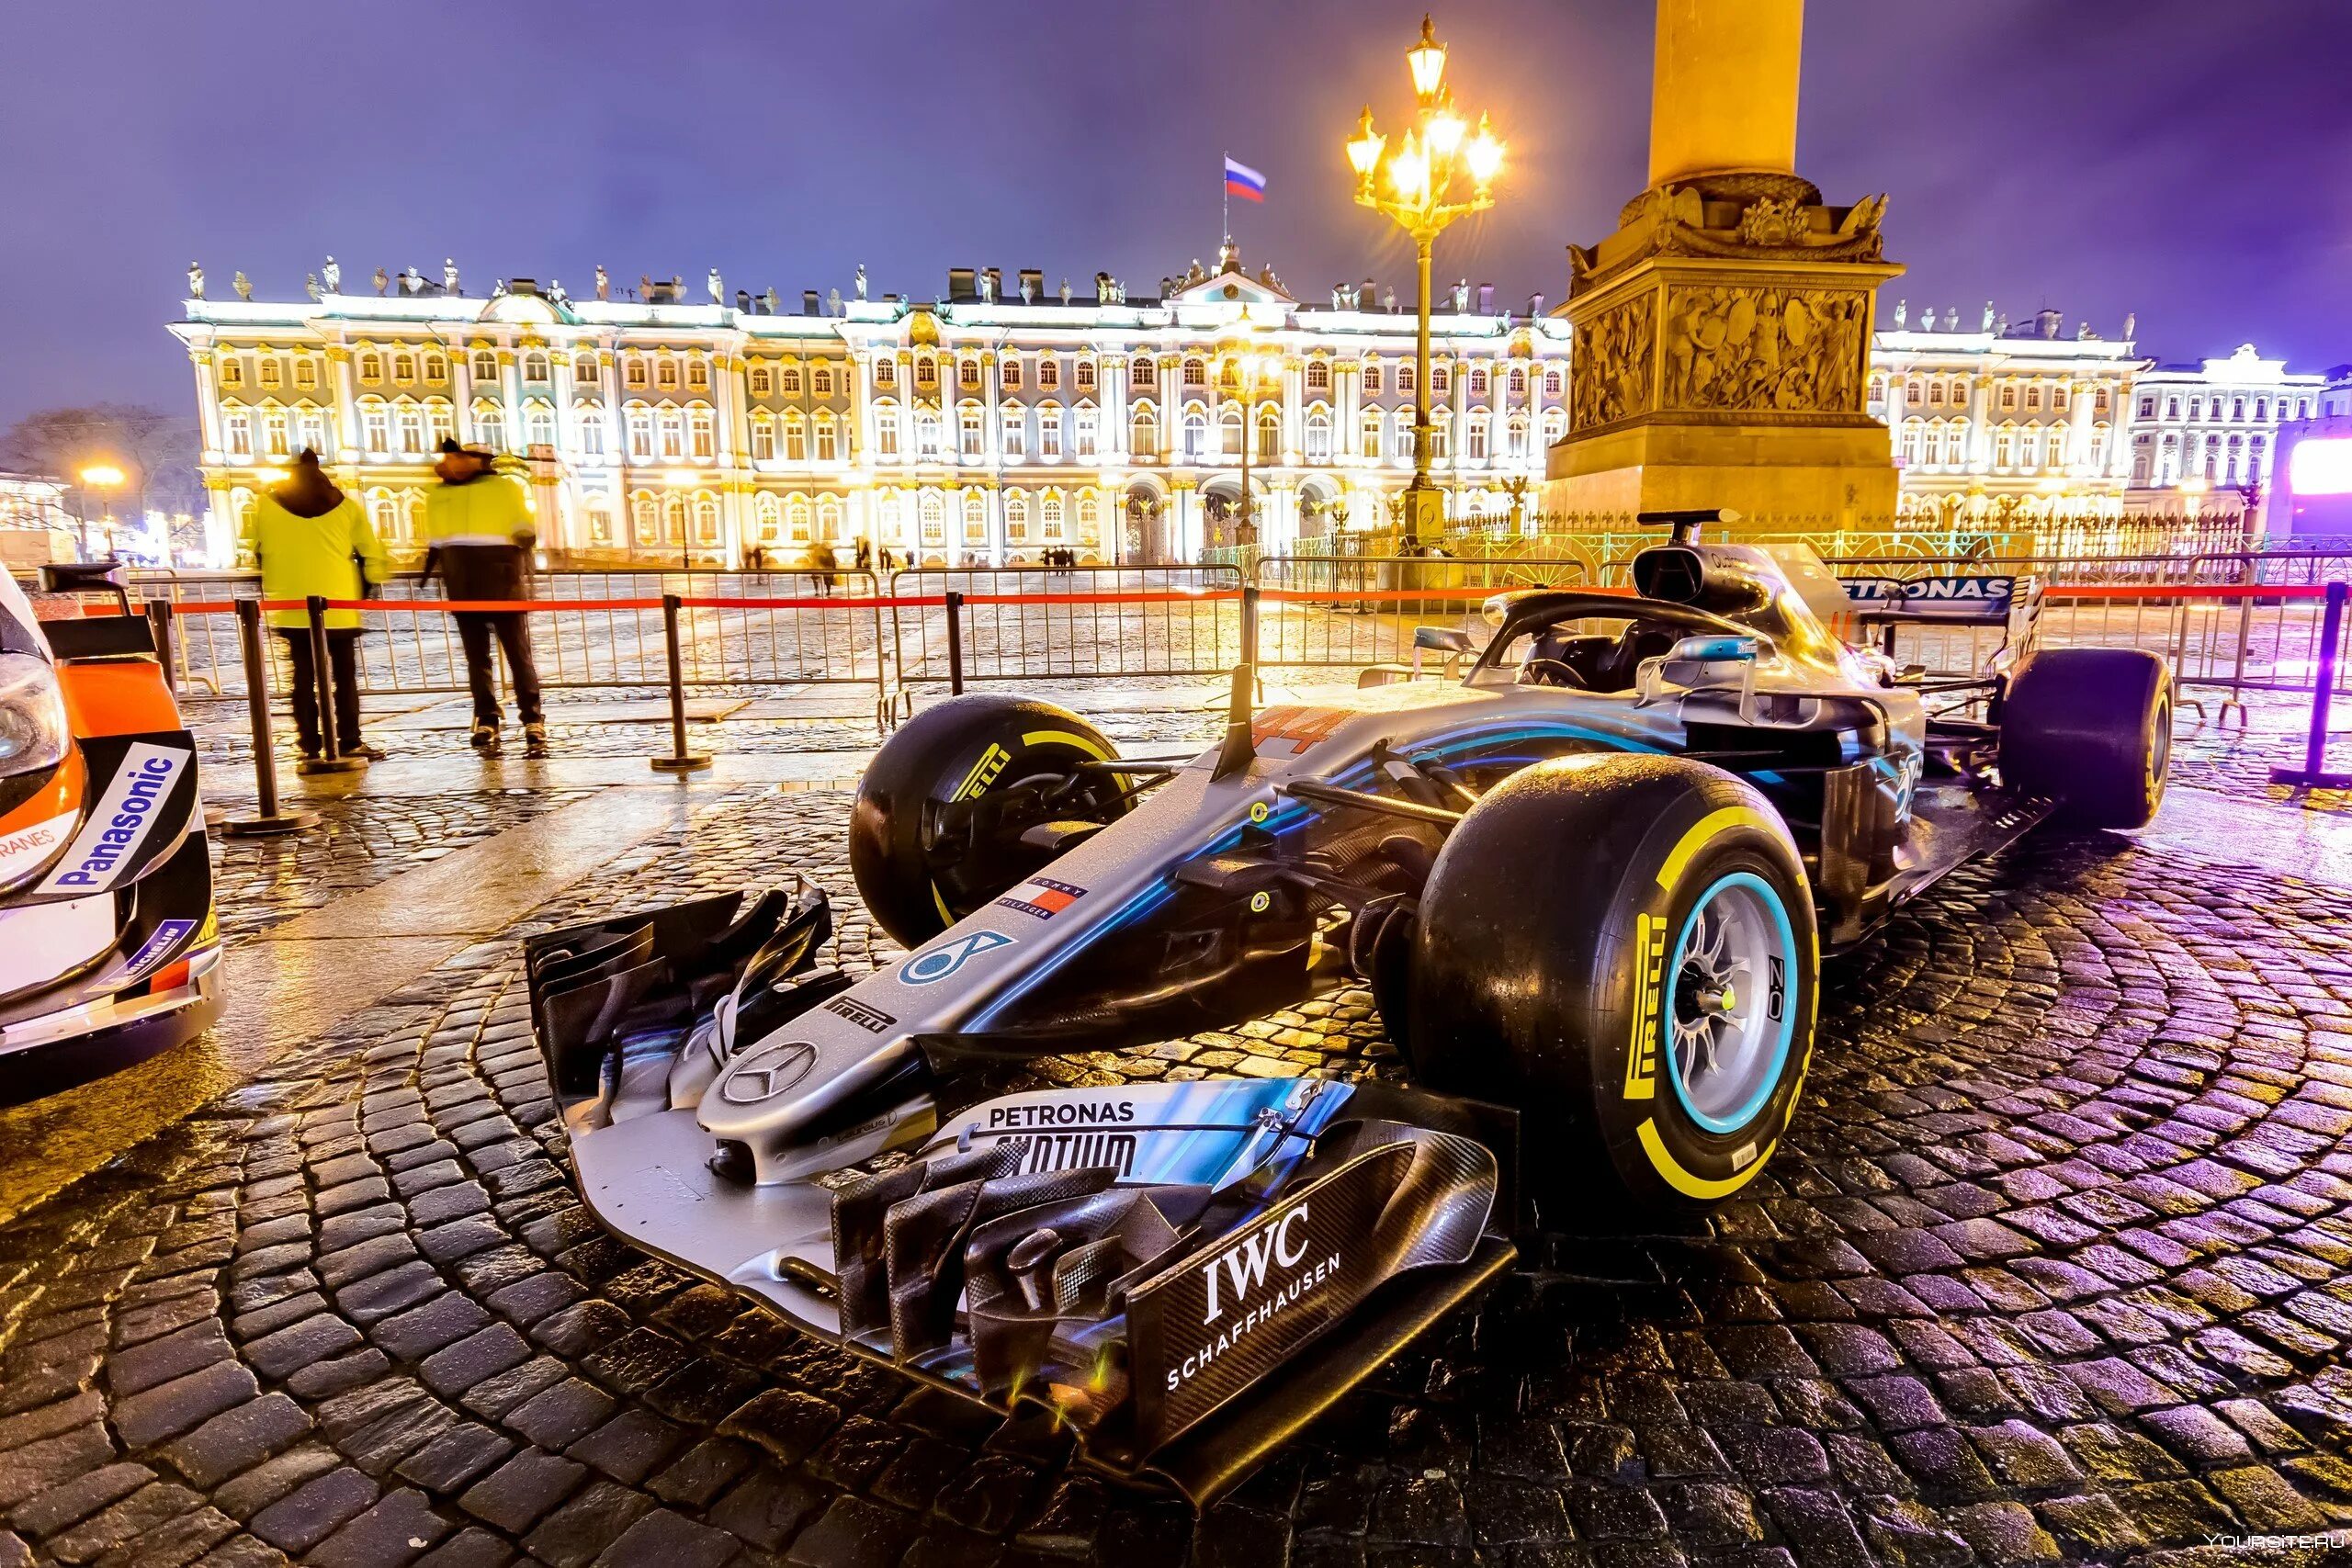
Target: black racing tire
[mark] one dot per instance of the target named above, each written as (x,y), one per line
(1560,941)
(959,750)
(2091,729)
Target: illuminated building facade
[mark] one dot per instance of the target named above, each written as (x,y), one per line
(988,425)
(2020,421)
(2215,425)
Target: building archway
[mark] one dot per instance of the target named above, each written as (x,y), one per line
(1143,525)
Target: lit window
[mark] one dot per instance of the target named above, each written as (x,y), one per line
(583,369)
(1010,373)
(1515,435)
(1372,423)
(673,433)
(485,365)
(967,374)
(1144,372)
(704,426)
(436,368)
(796,519)
(796,437)
(375,428)
(272,373)
(821,381)
(1270,434)
(538,424)
(1049,516)
(1408,376)
(1319,435)
(1228,431)
(410,419)
(762,381)
(274,433)
(767,517)
(1085,375)
(665,374)
(1082,434)
(789,380)
(1318,376)
(1371,377)
(828,439)
(1194,369)
(490,427)
(932,512)
(968,439)
(927,370)
(440,419)
(885,372)
(1552,383)
(698,375)
(536,369)
(237,432)
(1143,431)
(372,368)
(1474,438)
(306,374)
(763,437)
(592,431)
(886,434)
(633,372)
(1477,381)
(1016,517)
(640,433)
(1050,433)
(1016,429)
(1050,373)
(1196,433)
(1441,380)
(975,517)
(1516,387)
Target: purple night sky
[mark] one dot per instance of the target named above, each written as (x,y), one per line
(2164,156)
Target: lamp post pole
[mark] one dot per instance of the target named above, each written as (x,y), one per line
(1420,176)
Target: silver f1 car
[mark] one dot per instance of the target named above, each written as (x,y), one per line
(1589,887)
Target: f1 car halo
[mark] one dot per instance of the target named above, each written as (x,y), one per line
(1588,886)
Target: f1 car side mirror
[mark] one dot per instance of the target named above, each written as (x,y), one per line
(1443,639)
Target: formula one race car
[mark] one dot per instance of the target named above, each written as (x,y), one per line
(109,948)
(1589,887)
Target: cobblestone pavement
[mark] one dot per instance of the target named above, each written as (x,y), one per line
(2056,1262)
(359,841)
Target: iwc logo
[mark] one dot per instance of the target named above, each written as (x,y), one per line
(938,963)
(767,1072)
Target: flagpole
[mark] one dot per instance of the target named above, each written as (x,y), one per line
(1225,183)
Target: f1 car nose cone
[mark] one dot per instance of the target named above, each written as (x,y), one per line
(767,1071)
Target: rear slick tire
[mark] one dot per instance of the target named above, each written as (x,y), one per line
(1624,949)
(2091,729)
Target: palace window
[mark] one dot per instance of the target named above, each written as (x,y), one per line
(1016,430)
(536,369)
(1441,380)
(1372,424)
(926,436)
(273,375)
(1083,429)
(1143,431)
(2260,407)
(410,419)
(1050,433)
(885,371)
(1555,426)
(1477,381)
(969,443)
(2009,397)
(583,369)
(1935,391)
(2237,407)
(490,427)
(436,368)
(796,437)
(1441,435)
(1270,434)
(640,433)
(828,518)
(1195,371)
(1017,516)
(926,370)
(698,374)
(1049,516)
(1228,377)
(762,437)
(1515,386)
(645,518)
(1515,435)
(788,381)
(404,367)
(886,434)
(1008,373)
(310,430)
(2098,402)
(1090,518)
(2147,408)
(762,381)
(704,426)
(1552,383)
(767,517)
(1371,377)
(633,372)
(306,374)
(1196,435)
(2033,397)
(1143,371)
(665,374)
(1318,376)
(822,379)
(1319,435)
(1085,375)
(2172,408)
(1228,431)
(1473,436)
(592,430)
(673,433)
(274,433)
(372,368)
(237,432)
(1050,373)
(829,439)
(538,423)
(485,365)
(975,517)
(375,428)
(1407,377)
(968,374)
(796,520)
(931,512)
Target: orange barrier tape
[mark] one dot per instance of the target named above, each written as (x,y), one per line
(1307,595)
(2184,590)
(1140,596)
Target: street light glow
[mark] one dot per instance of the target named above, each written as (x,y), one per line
(105,476)
(1427,62)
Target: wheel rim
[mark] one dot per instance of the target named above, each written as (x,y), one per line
(1733,1012)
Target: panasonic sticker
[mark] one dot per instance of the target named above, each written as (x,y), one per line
(941,962)
(123,818)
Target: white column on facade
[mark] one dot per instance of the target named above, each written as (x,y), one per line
(1111,401)
(346,405)
(208,402)
(510,388)
(461,390)
(1980,425)
(1896,384)
(1294,386)
(2078,434)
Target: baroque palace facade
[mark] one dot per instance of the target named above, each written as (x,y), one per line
(979,428)
(990,426)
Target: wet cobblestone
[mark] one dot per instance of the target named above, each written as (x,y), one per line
(2056,1263)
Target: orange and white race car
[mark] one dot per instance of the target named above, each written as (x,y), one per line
(109,951)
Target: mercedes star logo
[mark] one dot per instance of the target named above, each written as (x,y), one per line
(767,1072)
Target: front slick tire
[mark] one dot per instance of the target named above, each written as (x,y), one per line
(1624,949)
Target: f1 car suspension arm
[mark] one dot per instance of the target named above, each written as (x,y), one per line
(1332,794)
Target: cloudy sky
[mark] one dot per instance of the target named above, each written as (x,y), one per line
(2177,158)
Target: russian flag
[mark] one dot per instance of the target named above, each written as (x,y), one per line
(1243,181)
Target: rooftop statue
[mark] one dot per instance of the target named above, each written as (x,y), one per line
(718,289)
(603,282)
(861,280)
(383,280)
(332,273)
(196,280)
(770,299)
(449,275)
(244,286)
(311,284)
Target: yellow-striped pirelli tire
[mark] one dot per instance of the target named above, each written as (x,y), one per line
(929,840)
(1622,948)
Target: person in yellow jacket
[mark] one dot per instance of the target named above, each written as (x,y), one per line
(309,537)
(479,536)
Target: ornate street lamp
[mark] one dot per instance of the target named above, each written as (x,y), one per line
(1417,185)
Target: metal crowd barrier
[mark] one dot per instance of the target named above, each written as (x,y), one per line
(1066,623)
(1321,612)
